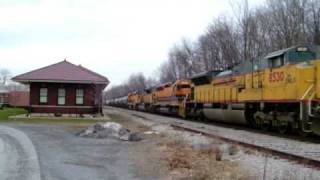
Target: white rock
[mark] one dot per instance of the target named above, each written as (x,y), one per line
(112,125)
(151,132)
(109,130)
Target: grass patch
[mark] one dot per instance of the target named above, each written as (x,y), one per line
(6,112)
(62,121)
(72,121)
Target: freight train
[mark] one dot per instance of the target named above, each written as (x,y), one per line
(280,91)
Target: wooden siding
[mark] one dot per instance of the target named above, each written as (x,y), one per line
(92,98)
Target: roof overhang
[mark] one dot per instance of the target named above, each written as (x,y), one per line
(28,81)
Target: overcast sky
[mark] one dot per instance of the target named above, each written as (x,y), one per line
(112,37)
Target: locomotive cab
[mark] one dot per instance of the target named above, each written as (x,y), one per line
(293,55)
(182,88)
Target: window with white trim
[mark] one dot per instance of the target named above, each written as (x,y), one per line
(43,95)
(79,96)
(61,96)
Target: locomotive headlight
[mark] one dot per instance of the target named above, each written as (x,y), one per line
(316,107)
(302,49)
(317,110)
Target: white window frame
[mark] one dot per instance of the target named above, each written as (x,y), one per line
(79,96)
(61,96)
(43,95)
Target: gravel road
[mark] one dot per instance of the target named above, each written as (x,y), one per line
(62,155)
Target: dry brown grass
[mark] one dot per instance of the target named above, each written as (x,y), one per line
(185,162)
(178,152)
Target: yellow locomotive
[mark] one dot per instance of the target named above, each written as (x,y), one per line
(167,98)
(171,98)
(280,91)
(134,99)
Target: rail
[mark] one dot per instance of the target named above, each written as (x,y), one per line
(313,163)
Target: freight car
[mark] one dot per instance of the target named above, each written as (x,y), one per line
(280,91)
(118,102)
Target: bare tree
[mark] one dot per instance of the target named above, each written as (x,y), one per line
(151,82)
(204,52)
(246,26)
(314,20)
(167,71)
(218,48)
(5,74)
(288,21)
(136,82)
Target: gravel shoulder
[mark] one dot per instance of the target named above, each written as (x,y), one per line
(257,165)
(293,146)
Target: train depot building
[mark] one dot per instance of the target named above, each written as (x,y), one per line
(64,88)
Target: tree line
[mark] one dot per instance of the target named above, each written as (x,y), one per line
(247,34)
(136,82)
(7,84)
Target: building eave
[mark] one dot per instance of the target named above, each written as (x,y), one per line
(28,81)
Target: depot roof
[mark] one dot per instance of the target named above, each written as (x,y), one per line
(62,72)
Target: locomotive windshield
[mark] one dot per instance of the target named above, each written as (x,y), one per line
(301,55)
(277,61)
(183,86)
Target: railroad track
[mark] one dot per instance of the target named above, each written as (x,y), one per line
(301,152)
(313,163)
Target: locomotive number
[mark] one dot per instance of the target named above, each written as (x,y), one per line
(276,77)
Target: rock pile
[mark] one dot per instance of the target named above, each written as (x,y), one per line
(110,130)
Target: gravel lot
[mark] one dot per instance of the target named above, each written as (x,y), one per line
(62,155)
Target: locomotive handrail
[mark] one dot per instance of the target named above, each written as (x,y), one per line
(309,105)
(307,92)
